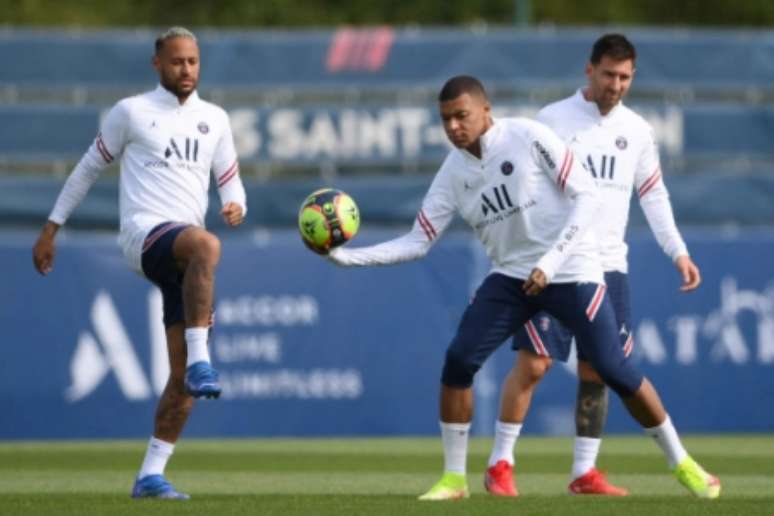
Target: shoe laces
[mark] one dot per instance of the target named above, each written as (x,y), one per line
(205,373)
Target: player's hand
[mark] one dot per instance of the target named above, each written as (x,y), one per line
(689,272)
(232,214)
(45,249)
(536,282)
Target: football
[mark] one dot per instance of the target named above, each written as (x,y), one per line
(328,218)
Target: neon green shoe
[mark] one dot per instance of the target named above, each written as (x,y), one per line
(696,480)
(452,486)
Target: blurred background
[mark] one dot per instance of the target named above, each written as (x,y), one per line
(342,94)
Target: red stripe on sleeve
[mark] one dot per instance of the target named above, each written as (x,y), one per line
(424,228)
(104,147)
(567,155)
(228,174)
(225,179)
(567,172)
(650,182)
(429,227)
(103,150)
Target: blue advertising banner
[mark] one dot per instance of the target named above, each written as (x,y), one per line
(380,134)
(385,58)
(309,349)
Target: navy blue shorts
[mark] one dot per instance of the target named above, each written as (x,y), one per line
(159,266)
(544,335)
(500,308)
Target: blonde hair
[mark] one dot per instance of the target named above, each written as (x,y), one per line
(173,32)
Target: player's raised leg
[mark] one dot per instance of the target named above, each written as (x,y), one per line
(197,252)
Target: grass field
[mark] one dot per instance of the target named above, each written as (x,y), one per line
(371,477)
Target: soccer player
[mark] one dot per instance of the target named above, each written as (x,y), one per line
(168,141)
(530,204)
(618,149)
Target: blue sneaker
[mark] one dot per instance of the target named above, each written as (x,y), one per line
(156,486)
(201,380)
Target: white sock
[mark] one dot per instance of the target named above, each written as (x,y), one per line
(156,457)
(667,439)
(584,455)
(455,446)
(196,342)
(504,442)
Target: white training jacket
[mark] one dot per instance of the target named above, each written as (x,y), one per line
(528,200)
(166,151)
(620,152)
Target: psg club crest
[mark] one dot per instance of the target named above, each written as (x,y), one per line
(545,323)
(506,168)
(621,142)
(203,127)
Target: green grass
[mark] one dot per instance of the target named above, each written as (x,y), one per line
(371,477)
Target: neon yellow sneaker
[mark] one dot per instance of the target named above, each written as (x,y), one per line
(696,480)
(452,486)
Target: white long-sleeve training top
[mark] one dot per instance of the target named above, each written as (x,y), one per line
(166,151)
(527,199)
(620,152)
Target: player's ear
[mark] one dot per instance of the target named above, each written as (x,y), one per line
(589,69)
(156,61)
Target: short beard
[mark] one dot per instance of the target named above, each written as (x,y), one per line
(175,90)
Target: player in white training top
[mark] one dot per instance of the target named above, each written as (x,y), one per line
(168,141)
(530,204)
(618,149)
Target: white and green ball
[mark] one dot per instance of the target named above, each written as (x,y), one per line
(328,218)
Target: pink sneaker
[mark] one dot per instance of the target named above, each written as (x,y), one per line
(498,479)
(594,482)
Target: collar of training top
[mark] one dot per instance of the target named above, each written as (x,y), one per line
(486,140)
(591,108)
(166,97)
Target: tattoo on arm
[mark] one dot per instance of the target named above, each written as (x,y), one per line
(590,409)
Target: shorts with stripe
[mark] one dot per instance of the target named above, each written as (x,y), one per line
(500,308)
(546,336)
(159,266)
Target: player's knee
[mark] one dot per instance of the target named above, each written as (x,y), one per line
(197,245)
(621,377)
(207,248)
(459,368)
(587,373)
(532,368)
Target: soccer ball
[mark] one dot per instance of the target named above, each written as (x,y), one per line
(327,219)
